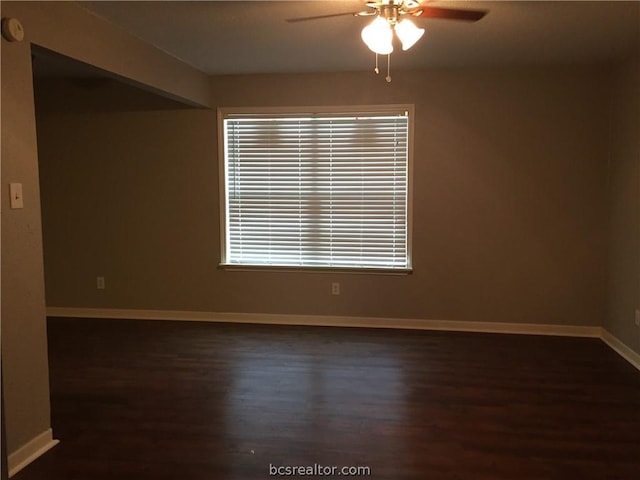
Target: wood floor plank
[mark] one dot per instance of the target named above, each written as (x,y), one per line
(202,401)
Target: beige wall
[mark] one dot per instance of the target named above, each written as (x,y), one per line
(624,258)
(67,29)
(24,343)
(509,202)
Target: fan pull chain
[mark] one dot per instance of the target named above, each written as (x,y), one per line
(377,69)
(388,79)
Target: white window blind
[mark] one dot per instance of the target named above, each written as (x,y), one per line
(317,190)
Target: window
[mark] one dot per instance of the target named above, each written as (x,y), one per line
(316,188)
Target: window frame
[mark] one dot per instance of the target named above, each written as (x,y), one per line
(223,112)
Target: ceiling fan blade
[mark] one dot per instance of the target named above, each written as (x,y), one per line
(319,17)
(449,13)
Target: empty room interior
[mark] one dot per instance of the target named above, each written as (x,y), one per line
(255,239)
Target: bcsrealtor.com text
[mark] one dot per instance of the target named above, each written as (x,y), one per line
(317,470)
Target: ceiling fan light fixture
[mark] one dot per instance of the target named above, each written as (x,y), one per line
(408,33)
(378,36)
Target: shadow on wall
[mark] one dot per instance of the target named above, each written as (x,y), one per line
(65,85)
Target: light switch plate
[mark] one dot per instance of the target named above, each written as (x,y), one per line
(15,190)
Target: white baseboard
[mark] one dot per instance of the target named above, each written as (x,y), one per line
(26,454)
(623,350)
(335,321)
(366,322)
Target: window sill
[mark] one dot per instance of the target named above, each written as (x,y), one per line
(293,269)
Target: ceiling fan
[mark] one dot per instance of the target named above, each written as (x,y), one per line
(392,16)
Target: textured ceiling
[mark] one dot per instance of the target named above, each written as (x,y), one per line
(228,37)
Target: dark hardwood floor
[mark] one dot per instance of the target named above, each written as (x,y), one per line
(201,401)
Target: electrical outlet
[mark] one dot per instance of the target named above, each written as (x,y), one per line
(100,283)
(335,288)
(637,317)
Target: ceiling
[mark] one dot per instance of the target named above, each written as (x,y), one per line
(240,37)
